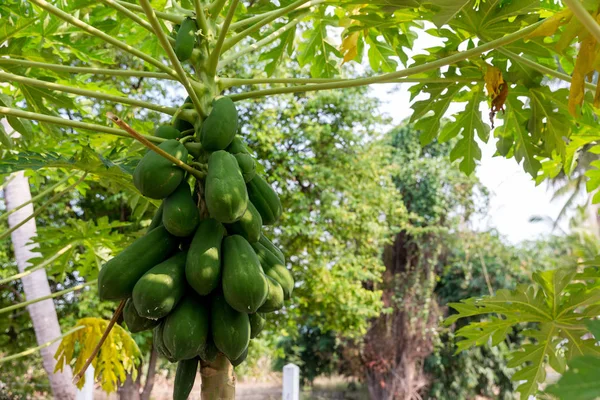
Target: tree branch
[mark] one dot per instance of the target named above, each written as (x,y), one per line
(177,19)
(584,17)
(213,59)
(215,8)
(200,16)
(475,51)
(4,76)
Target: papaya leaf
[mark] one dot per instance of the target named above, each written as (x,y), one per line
(580,382)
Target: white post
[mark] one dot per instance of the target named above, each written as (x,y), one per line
(291,382)
(87,391)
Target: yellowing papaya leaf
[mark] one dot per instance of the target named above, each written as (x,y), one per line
(497,90)
(583,66)
(118,355)
(551,24)
(349,47)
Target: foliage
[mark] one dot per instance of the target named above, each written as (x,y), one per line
(118,355)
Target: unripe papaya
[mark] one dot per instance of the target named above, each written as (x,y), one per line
(240,359)
(257,324)
(272,248)
(221,125)
(181,124)
(237,146)
(119,275)
(167,132)
(210,352)
(264,198)
(159,290)
(155,176)
(247,166)
(136,323)
(186,39)
(157,219)
(159,344)
(186,328)
(249,226)
(226,195)
(180,213)
(203,265)
(274,299)
(230,328)
(245,286)
(274,267)
(185,378)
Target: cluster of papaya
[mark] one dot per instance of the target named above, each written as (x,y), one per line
(204,275)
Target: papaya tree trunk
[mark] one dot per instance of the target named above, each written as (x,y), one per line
(218,379)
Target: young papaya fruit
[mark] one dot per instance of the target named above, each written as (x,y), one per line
(230,328)
(119,275)
(155,176)
(203,265)
(167,132)
(226,195)
(264,198)
(272,248)
(180,213)
(186,328)
(159,290)
(275,268)
(237,146)
(185,39)
(247,166)
(257,324)
(158,342)
(274,299)
(249,226)
(136,323)
(221,125)
(245,286)
(185,376)
(157,219)
(240,359)
(181,124)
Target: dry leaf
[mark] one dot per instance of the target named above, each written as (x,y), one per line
(584,65)
(497,90)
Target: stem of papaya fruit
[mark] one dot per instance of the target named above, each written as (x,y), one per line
(218,379)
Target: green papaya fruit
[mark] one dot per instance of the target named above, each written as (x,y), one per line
(203,265)
(245,286)
(249,226)
(136,323)
(185,39)
(275,268)
(274,299)
(210,352)
(181,124)
(159,344)
(157,219)
(226,195)
(180,212)
(247,166)
(257,324)
(159,290)
(237,146)
(187,327)
(185,378)
(167,132)
(264,198)
(240,359)
(119,275)
(221,125)
(272,248)
(230,328)
(155,176)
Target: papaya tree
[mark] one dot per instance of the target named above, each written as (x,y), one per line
(57,63)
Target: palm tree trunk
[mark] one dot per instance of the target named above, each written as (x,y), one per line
(43,313)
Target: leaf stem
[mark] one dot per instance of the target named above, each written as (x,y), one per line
(107,38)
(177,19)
(240,24)
(4,76)
(200,16)
(39,210)
(67,122)
(50,296)
(215,8)
(541,68)
(109,327)
(34,349)
(162,38)
(473,52)
(39,266)
(213,59)
(266,40)
(584,17)
(230,82)
(86,70)
(123,125)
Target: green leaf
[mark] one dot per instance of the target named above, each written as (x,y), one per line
(580,382)
(380,54)
(276,54)
(445,10)
(4,138)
